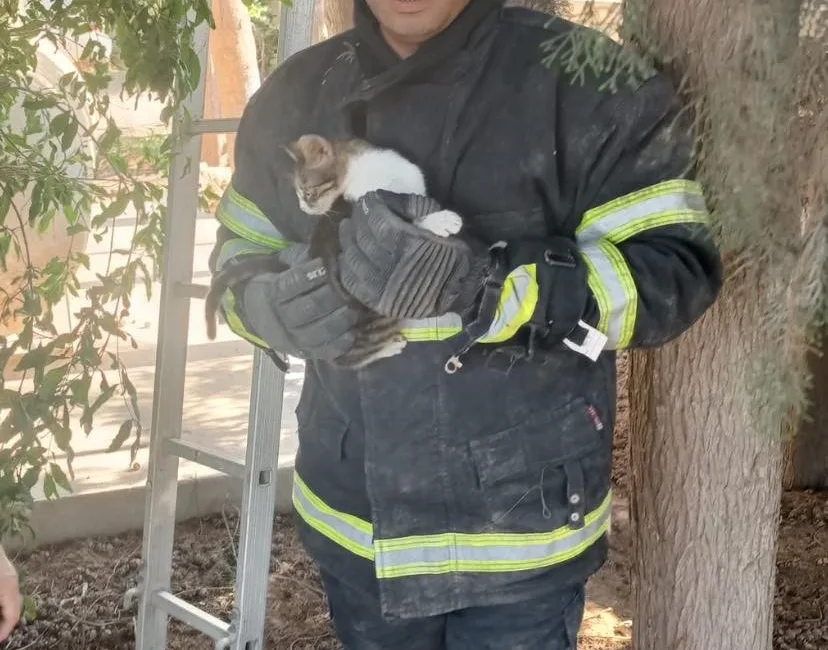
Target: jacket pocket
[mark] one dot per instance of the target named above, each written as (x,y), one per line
(547,470)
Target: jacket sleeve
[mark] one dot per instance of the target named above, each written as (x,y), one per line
(640,266)
(258,212)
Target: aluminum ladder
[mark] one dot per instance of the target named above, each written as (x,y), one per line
(245,630)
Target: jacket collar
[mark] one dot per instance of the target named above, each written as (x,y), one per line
(445,56)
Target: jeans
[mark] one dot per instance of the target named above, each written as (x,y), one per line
(549,623)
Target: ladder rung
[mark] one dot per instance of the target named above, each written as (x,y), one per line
(222,125)
(205,456)
(196,618)
(191,290)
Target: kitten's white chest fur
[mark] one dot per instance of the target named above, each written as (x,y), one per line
(384,169)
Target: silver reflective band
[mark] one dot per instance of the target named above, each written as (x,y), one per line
(244,218)
(518,300)
(668,203)
(438,328)
(488,552)
(618,296)
(237,247)
(346,530)
(450,552)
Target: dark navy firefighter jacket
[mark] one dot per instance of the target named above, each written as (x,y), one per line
(441,491)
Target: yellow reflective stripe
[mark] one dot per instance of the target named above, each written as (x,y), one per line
(609,277)
(231,249)
(667,203)
(348,531)
(600,292)
(450,552)
(611,281)
(438,328)
(241,216)
(234,322)
(515,308)
(634,228)
(489,552)
(517,304)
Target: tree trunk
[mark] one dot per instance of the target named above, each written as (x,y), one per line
(806,464)
(705,488)
(332,17)
(706,450)
(232,77)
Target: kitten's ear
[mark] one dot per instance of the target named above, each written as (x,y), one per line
(314,150)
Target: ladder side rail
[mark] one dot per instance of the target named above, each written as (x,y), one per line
(170,365)
(246,632)
(258,504)
(265,424)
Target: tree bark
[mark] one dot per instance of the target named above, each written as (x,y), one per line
(706,453)
(232,78)
(705,488)
(806,464)
(331,18)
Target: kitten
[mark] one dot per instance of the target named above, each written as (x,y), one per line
(328,175)
(327,170)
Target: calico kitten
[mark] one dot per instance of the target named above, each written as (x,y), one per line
(328,176)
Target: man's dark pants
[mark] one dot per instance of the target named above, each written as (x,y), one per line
(547,623)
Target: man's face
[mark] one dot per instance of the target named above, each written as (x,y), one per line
(408,23)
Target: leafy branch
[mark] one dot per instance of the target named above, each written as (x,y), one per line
(62,167)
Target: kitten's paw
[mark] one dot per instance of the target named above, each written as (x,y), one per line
(443,223)
(394,347)
(391,349)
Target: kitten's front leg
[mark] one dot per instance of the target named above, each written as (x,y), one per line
(443,223)
(377,337)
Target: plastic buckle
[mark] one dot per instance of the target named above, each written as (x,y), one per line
(453,365)
(593,344)
(486,311)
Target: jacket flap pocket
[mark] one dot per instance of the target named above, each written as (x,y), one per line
(544,438)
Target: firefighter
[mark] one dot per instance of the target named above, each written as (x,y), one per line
(457,496)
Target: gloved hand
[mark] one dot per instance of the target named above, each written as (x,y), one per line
(298,312)
(398,269)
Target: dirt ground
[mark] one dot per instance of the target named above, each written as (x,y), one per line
(79,587)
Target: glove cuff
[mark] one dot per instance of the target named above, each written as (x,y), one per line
(256,313)
(467,290)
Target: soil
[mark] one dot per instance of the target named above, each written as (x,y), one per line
(79,587)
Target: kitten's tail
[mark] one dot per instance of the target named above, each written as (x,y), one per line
(243,270)
(211,306)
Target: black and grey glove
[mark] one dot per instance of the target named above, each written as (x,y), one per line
(298,312)
(398,269)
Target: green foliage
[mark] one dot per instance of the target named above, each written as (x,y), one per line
(62,151)
(588,50)
(266,32)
